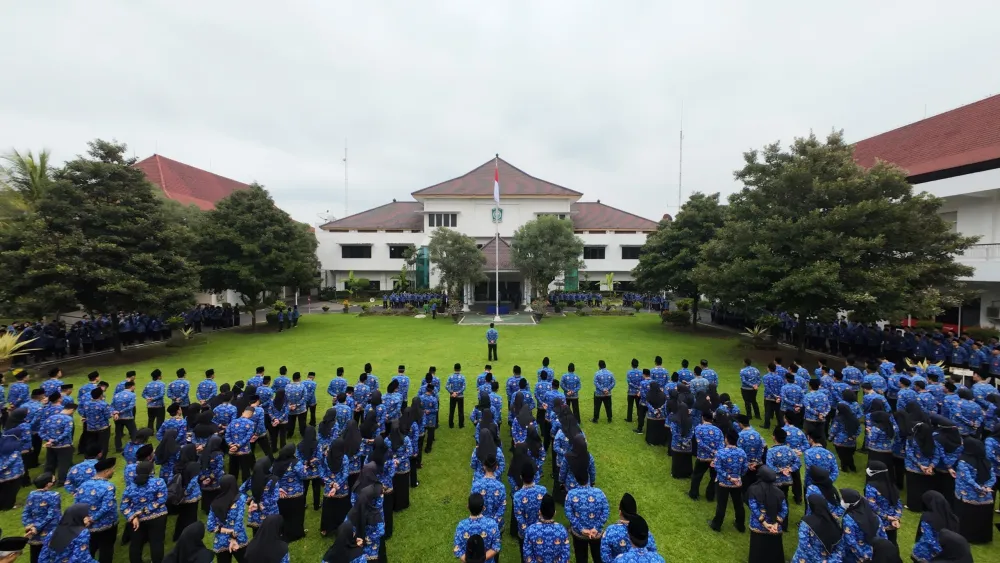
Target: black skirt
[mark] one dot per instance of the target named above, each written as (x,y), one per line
(401,491)
(8,493)
(681,465)
(916,485)
(207,496)
(766,548)
(975,521)
(656,432)
(944,483)
(293,510)
(334,512)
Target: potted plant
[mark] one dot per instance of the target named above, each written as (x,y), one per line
(10,348)
(538,309)
(637,305)
(759,337)
(326,308)
(346,304)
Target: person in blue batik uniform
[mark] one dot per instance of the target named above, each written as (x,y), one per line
(101,496)
(123,412)
(212,464)
(295,396)
(19,392)
(176,422)
(862,528)
(773,383)
(604,383)
(310,391)
(751,442)
(709,439)
(144,506)
(83,471)
(153,392)
(225,412)
(883,498)
(615,540)
(546,541)
(852,375)
(684,374)
(179,390)
(477,525)
(792,399)
(579,451)
(730,466)
(276,411)
(53,384)
(974,484)
(570,383)
(817,406)
(347,546)
(586,509)
(456,393)
(429,403)
(820,535)
(936,518)
(527,496)
(948,449)
(659,373)
(189,467)
(167,453)
(968,415)
(42,510)
(485,449)
(226,520)
(240,435)
(83,394)
(785,462)
(493,491)
(513,384)
(337,385)
(290,472)
(633,378)
(403,381)
(207,389)
(56,433)
(282,380)
(308,452)
(768,518)
(336,501)
(393,403)
(96,415)
(268,544)
(816,454)
(262,493)
(641,551)
(823,486)
(70,541)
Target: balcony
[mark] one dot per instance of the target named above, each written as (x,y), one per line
(982,252)
(985,258)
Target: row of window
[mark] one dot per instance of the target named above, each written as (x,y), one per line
(399,251)
(442,220)
(599,252)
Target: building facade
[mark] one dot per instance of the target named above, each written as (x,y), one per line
(956,156)
(372,244)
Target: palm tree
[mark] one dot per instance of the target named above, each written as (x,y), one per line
(23,180)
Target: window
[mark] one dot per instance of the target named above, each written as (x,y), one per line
(355,251)
(442,220)
(625,285)
(630,252)
(593,253)
(374,285)
(590,286)
(951,217)
(398,250)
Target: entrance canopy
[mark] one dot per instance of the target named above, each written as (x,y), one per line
(490,251)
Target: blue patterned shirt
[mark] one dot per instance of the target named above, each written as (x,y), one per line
(822,457)
(570,384)
(615,541)
(310,389)
(852,376)
(97,414)
(604,382)
(51,386)
(78,551)
(839,434)
(757,516)
(146,501)
(811,549)
(239,432)
(495,496)
(660,375)
(753,445)
(101,495)
(456,384)
(337,386)
(57,428)
(546,542)
(280,382)
(19,394)
(968,489)
(492,336)
(640,555)
(927,547)
(880,506)
(42,509)
(968,416)
(404,386)
(817,405)
(772,386)
(178,391)
(234,521)
(477,526)
(153,393)
(587,509)
(224,414)
(206,390)
(780,458)
(730,466)
(877,382)
(791,397)
(750,377)
(430,405)
(709,439)
(633,378)
(527,502)
(295,397)
(178,424)
(123,404)
(79,474)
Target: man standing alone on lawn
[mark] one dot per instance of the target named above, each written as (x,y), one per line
(604,382)
(491,344)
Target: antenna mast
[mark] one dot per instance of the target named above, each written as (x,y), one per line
(680,165)
(345,177)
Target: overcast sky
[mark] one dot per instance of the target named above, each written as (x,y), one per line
(585,94)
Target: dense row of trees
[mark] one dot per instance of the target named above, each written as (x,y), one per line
(811,233)
(94,233)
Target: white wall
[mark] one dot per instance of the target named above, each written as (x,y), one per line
(978,214)
(613,262)
(475,216)
(967,184)
(379,267)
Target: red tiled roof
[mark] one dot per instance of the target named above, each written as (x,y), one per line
(479,183)
(594,215)
(403,215)
(966,135)
(489,250)
(187,184)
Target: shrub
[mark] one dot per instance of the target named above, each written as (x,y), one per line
(768,321)
(982,333)
(175,322)
(579,304)
(271,317)
(929,324)
(327,294)
(279,304)
(366,307)
(326,308)
(676,318)
(684,304)
(637,305)
(558,307)
(409,307)
(581,313)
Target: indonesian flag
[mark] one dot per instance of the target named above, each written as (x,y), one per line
(496,182)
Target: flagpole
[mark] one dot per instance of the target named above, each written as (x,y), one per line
(496,244)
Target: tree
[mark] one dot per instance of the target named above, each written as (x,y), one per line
(249,245)
(457,260)
(668,259)
(544,248)
(812,231)
(98,237)
(23,180)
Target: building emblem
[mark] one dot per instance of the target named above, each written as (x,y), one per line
(497,215)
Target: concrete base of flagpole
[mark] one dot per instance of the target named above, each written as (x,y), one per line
(497,319)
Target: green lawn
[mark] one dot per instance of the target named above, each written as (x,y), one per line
(423,533)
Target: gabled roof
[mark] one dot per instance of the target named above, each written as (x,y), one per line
(964,136)
(401,215)
(479,183)
(490,251)
(596,216)
(187,184)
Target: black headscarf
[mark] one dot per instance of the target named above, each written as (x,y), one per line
(188,464)
(191,414)
(335,455)
(167,447)
(487,448)
(364,513)
(15,418)
(848,419)
(683,420)
(486,425)
(380,452)
(524,416)
(345,548)
(405,421)
(877,475)
(228,491)
(518,403)
(884,551)
(947,433)
(369,425)
(396,436)
(822,522)
(534,442)
(860,511)
(278,401)
(915,414)
(204,427)
(923,435)
(766,493)
(190,547)
(329,423)
(578,458)
(883,420)
(713,395)
(284,461)
(518,462)
(307,446)
(268,545)
(375,399)
(352,439)
(821,478)
(213,445)
(903,423)
(722,421)
(143,472)
(974,454)
(954,548)
(484,401)
(259,478)
(368,476)
(877,405)
(416,411)
(938,513)
(701,402)
(655,396)
(70,526)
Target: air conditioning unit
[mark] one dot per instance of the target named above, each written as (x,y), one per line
(993,312)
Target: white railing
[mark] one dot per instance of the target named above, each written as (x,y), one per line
(983,252)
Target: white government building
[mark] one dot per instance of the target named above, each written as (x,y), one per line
(371,243)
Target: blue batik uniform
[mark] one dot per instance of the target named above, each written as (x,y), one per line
(18,394)
(430,406)
(568,479)
(478,471)
(839,434)
(570,384)
(852,377)
(361,394)
(404,386)
(757,516)
(915,458)
(206,390)
(214,473)
(291,481)
(822,457)
(633,378)
(615,542)
(344,413)
(928,402)
(268,504)
(752,444)
(542,390)
(684,375)
(968,417)
(372,382)
(310,392)
(393,405)
(224,414)
(927,547)
(904,397)
(80,474)
(980,391)
(709,439)
(712,377)
(802,379)
(698,385)
(513,386)
(42,509)
(968,489)
(338,479)
(527,502)
(495,497)
(876,439)
(178,424)
(749,377)
(817,405)
(76,552)
(492,336)
(101,495)
(811,549)
(893,386)
(123,404)
(604,383)
(949,405)
(380,416)
(280,383)
(791,397)
(456,384)
(97,414)
(147,501)
(256,381)
(877,382)
(660,375)
(959,356)
(153,393)
(546,542)
(83,394)
(234,521)
(856,546)
(239,432)
(881,507)
(51,386)
(772,386)
(58,429)
(34,418)
(260,421)
(119,387)
(337,386)
(277,415)
(730,464)
(266,396)
(640,555)
(780,458)
(586,508)
(178,391)
(472,526)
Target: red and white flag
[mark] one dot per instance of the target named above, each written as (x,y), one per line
(496,182)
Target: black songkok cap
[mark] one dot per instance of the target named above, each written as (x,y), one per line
(105,464)
(638,531)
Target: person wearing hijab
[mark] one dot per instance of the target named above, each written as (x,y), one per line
(415,433)
(822,485)
(268,545)
(168,451)
(190,548)
(144,506)
(429,403)
(263,493)
(615,540)
(482,406)
(308,452)
(347,548)
(17,425)
(898,467)
(401,449)
(353,448)
(211,464)
(937,517)
(367,515)
(491,488)
(862,527)
(226,521)
(70,541)
(656,430)
(327,431)
(189,467)
(336,496)
(682,431)
(884,551)
(921,458)
(375,405)
(586,505)
(768,517)
(954,549)
(290,473)
(974,484)
(136,441)
(578,460)
(485,449)
(820,535)
(11,463)
(881,432)
(42,510)
(883,497)
(846,429)
(948,450)
(204,428)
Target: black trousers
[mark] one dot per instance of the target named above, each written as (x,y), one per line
(452,403)
(241,463)
(632,400)
(846,455)
(186,514)
(317,488)
(301,419)
(102,544)
(642,417)
(36,551)
(36,451)
(771,409)
(120,424)
(101,437)
(722,500)
(491,352)
(312,415)
(700,468)
(155,417)
(574,405)
(58,461)
(750,402)
(279,435)
(581,546)
(430,439)
(154,533)
(602,400)
(265,446)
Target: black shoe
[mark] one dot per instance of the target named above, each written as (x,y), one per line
(637,431)
(626,420)
(692,497)
(593,421)
(712,526)
(740,529)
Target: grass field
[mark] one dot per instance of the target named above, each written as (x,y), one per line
(423,533)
